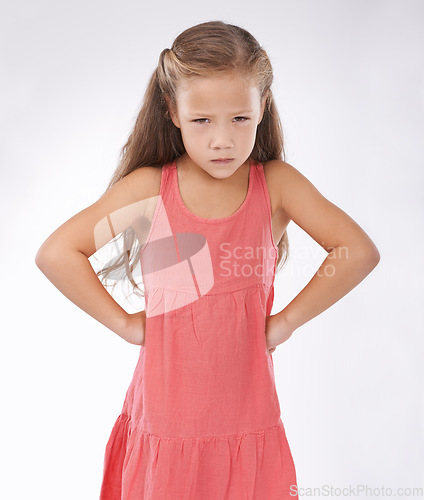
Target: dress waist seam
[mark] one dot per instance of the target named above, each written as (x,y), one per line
(238,434)
(187,292)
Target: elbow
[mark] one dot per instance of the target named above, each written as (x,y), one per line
(45,255)
(373,255)
(370,256)
(41,259)
(376,257)
(372,261)
(362,255)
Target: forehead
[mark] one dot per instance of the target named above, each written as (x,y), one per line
(226,91)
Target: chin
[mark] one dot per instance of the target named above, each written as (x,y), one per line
(221,172)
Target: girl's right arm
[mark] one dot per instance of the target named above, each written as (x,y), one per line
(63,257)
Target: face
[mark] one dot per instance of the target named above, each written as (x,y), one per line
(218,117)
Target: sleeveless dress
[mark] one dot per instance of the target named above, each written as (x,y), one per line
(201,417)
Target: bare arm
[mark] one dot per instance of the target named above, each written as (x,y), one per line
(352,255)
(63,257)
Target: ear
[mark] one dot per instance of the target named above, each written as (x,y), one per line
(172,113)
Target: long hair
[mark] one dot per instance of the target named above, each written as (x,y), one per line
(202,50)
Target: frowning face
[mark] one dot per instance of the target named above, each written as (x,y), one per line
(218,118)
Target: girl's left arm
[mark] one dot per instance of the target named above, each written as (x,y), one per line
(352,255)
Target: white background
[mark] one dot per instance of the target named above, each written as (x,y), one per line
(349,86)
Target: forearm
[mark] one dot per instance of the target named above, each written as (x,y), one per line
(342,270)
(71,273)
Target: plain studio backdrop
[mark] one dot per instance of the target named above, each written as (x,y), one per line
(349,86)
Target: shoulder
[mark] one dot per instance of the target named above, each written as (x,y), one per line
(289,187)
(277,174)
(144,181)
(279,170)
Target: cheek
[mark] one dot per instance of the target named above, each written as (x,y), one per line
(193,138)
(194,134)
(247,133)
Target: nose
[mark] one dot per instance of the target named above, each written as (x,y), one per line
(221,139)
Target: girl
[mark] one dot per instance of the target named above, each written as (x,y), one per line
(203,188)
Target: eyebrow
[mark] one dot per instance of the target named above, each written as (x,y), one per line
(195,113)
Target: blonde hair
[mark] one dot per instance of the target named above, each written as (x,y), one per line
(202,50)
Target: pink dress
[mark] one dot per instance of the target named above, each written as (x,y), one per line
(201,417)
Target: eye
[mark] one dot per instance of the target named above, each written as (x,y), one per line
(242,119)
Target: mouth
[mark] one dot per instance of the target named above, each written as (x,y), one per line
(223,160)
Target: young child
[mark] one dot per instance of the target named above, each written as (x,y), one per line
(203,187)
